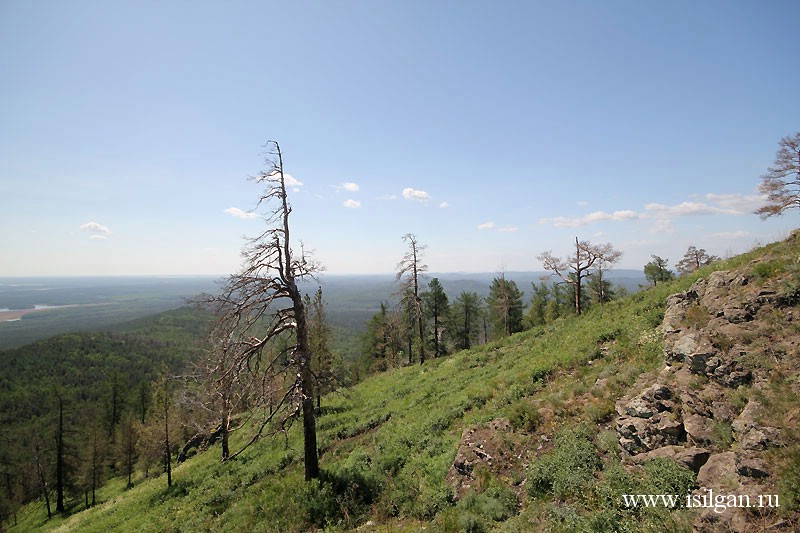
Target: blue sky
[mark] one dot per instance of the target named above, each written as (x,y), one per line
(492,131)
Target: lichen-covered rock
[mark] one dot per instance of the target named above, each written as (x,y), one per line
(649,420)
(699,430)
(719,472)
(692,457)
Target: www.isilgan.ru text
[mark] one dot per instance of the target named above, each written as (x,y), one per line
(702,499)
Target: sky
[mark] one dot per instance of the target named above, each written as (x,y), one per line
(493,131)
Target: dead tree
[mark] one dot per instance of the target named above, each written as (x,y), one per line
(576,267)
(781,184)
(261,321)
(409,271)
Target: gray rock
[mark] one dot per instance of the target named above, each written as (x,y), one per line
(693,457)
(751,467)
(698,429)
(760,438)
(719,472)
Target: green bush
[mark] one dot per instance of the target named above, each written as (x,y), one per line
(762,271)
(789,481)
(666,476)
(523,416)
(477,511)
(567,469)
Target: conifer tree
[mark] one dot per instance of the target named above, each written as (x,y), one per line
(437,307)
(505,307)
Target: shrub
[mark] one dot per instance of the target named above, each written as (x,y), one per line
(524,416)
(697,316)
(478,510)
(567,469)
(666,476)
(762,271)
(789,481)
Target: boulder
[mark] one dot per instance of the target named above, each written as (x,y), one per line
(719,473)
(753,467)
(693,457)
(698,429)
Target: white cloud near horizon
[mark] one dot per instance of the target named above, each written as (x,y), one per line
(350,186)
(685,209)
(597,216)
(486,225)
(352,204)
(741,234)
(98,237)
(715,204)
(238,213)
(96,228)
(742,203)
(413,194)
(508,229)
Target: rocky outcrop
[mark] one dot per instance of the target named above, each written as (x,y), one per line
(649,420)
(493,447)
(704,356)
(705,408)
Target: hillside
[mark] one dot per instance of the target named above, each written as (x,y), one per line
(546,430)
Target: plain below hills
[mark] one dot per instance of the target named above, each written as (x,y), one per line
(65,304)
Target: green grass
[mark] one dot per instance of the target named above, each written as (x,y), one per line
(389,442)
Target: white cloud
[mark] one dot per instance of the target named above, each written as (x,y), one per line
(350,186)
(508,229)
(662,225)
(94,227)
(444,205)
(741,234)
(597,216)
(353,204)
(291,181)
(486,225)
(413,194)
(582,203)
(98,237)
(714,204)
(744,204)
(687,209)
(238,213)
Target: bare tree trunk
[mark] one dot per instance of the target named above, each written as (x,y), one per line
(60,459)
(167,454)
(225,427)
(310,455)
(129,454)
(43,480)
(94,467)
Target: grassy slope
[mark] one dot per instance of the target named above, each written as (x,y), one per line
(389,442)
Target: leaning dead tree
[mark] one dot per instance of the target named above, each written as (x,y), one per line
(577,266)
(261,327)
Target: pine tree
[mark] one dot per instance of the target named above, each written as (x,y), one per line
(437,307)
(505,307)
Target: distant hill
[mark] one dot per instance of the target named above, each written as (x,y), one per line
(97,303)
